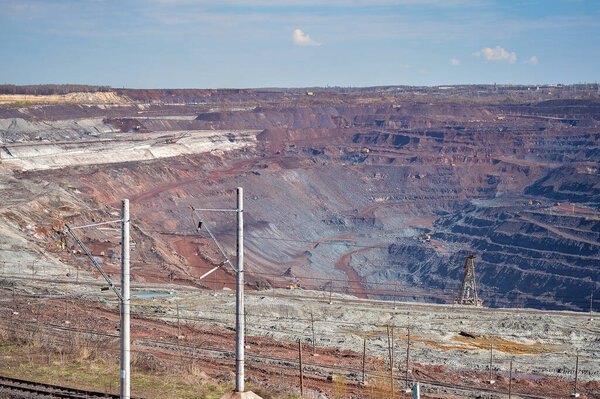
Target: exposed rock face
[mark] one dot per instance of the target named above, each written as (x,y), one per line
(343,190)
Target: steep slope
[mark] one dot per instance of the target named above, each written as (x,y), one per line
(340,190)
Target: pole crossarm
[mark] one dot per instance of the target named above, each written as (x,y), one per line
(96,265)
(210,271)
(215,210)
(97,224)
(227,260)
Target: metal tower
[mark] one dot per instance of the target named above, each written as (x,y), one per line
(468,292)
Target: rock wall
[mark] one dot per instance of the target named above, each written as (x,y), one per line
(350,190)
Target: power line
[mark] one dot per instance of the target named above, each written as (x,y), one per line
(177,346)
(391,292)
(163,341)
(337,322)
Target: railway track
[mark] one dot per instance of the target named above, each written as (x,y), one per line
(316,371)
(270,364)
(324,298)
(31,389)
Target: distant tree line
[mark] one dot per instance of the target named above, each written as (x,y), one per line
(51,89)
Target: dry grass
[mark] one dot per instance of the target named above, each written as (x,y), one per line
(380,384)
(75,360)
(339,386)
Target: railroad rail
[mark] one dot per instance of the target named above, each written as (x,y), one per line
(316,371)
(36,389)
(323,297)
(319,370)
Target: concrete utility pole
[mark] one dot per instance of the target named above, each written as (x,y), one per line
(391,362)
(407,353)
(591,304)
(491,380)
(312,327)
(510,381)
(125,302)
(364,358)
(239,303)
(123,294)
(575,394)
(301,369)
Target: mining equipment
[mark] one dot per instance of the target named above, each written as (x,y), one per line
(3,148)
(61,242)
(468,292)
(175,139)
(426,237)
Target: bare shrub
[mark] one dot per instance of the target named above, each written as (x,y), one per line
(195,370)
(80,348)
(144,361)
(4,334)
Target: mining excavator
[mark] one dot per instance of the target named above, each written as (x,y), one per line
(175,139)
(425,237)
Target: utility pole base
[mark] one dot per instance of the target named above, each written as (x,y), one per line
(241,395)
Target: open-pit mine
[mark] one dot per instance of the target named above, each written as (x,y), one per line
(360,207)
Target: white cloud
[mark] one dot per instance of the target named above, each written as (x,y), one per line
(454,62)
(303,39)
(532,60)
(497,54)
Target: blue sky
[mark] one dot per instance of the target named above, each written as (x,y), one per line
(298,43)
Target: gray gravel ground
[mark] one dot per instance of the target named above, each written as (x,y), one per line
(537,342)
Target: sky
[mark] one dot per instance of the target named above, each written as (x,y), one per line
(298,43)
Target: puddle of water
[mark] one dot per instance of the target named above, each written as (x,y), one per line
(151,294)
(525,376)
